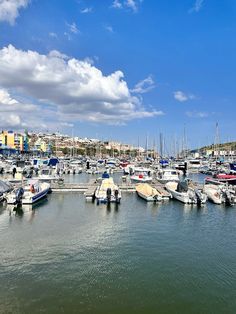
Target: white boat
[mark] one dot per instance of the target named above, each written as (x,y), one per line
(167,175)
(5,188)
(29,194)
(141,175)
(47,174)
(214,193)
(194,164)
(220,194)
(108,192)
(148,193)
(185,194)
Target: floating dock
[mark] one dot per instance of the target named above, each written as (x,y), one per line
(87,188)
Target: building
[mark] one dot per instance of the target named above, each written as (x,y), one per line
(14,141)
(42,146)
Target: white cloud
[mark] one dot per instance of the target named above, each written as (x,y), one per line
(73,28)
(70,89)
(195,114)
(144,86)
(9,9)
(117,4)
(53,35)
(68,125)
(197,6)
(129,4)
(14,112)
(132,5)
(86,10)
(182,97)
(109,28)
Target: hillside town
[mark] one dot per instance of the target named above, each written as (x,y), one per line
(57,144)
(60,145)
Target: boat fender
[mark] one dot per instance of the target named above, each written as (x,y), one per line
(32,189)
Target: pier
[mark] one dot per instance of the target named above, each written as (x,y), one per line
(87,188)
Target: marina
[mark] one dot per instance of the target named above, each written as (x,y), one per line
(100,237)
(95,256)
(117,157)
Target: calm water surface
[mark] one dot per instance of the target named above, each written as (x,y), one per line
(69,256)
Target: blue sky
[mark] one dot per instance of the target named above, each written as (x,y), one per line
(119,69)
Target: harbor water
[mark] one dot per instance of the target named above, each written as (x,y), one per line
(72,256)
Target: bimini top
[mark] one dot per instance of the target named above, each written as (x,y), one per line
(5,187)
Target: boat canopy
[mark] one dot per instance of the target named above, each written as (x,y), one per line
(4,187)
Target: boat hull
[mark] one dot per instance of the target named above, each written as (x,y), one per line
(148,198)
(35,198)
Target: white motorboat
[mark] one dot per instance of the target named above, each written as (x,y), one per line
(47,175)
(108,192)
(32,192)
(141,175)
(194,164)
(185,194)
(167,175)
(220,194)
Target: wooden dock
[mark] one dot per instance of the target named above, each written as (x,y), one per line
(86,188)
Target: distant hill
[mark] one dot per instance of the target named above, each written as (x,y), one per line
(224,146)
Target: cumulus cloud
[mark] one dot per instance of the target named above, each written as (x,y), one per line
(144,86)
(182,97)
(9,9)
(74,89)
(14,112)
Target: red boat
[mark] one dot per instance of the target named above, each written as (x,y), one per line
(226,178)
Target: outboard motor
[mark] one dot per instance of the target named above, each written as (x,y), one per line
(117,196)
(108,195)
(198,196)
(228,198)
(19,194)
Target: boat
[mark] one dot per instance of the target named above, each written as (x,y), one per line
(4,189)
(147,192)
(32,192)
(222,179)
(232,166)
(46,174)
(228,178)
(219,193)
(167,175)
(108,192)
(194,164)
(185,193)
(141,175)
